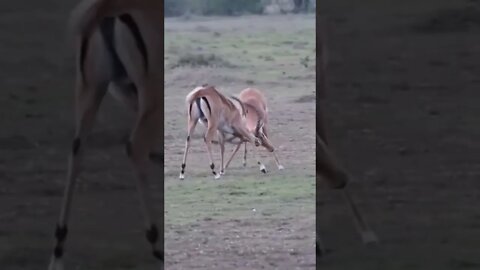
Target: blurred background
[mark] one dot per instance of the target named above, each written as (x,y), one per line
(36,117)
(402,107)
(231,8)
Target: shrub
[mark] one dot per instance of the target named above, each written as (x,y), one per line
(200,60)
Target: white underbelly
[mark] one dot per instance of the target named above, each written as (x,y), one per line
(225,128)
(232,139)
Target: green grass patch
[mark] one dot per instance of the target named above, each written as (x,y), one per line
(266,49)
(242,197)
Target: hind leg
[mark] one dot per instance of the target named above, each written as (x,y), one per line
(192,123)
(126,93)
(141,142)
(245,156)
(148,128)
(233,154)
(334,175)
(221,141)
(88,101)
(209,135)
(255,141)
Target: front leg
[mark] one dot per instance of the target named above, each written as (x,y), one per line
(245,156)
(221,141)
(263,169)
(208,142)
(233,154)
(269,146)
(256,142)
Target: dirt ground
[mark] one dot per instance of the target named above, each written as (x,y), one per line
(403,112)
(245,220)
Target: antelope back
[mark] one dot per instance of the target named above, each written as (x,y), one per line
(220,109)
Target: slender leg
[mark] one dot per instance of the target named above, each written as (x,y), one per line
(368,236)
(269,146)
(138,148)
(338,178)
(335,176)
(191,127)
(147,130)
(263,169)
(127,94)
(256,142)
(279,166)
(221,140)
(87,103)
(233,154)
(208,142)
(245,156)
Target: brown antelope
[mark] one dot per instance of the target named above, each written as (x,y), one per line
(326,166)
(118,46)
(221,115)
(256,114)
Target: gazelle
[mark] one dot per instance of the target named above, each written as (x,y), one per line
(118,45)
(221,115)
(256,114)
(326,166)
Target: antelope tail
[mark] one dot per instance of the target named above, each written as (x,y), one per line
(87,15)
(196,98)
(85,18)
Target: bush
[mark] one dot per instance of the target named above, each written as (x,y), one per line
(174,7)
(212,7)
(200,60)
(228,7)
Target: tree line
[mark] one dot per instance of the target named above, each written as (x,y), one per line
(231,7)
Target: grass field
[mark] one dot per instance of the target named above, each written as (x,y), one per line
(245,220)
